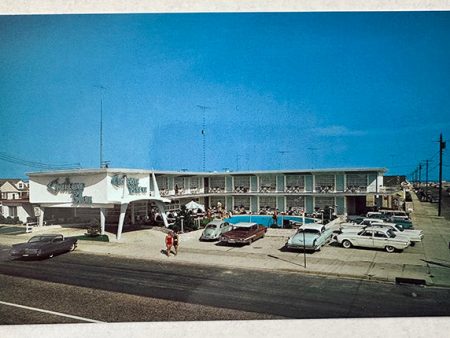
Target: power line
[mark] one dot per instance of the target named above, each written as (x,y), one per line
(32,164)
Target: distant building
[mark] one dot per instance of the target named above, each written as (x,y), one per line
(394,181)
(14,199)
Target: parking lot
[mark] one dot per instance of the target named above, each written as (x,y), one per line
(428,260)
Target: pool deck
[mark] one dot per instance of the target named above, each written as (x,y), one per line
(428,261)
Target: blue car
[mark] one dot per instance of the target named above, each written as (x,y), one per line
(315,235)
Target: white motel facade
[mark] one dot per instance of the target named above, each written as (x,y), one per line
(122,196)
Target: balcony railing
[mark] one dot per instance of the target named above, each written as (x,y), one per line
(267,189)
(325,189)
(241,189)
(294,189)
(217,190)
(355,189)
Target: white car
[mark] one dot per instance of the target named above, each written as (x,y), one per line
(365,222)
(374,237)
(215,229)
(413,235)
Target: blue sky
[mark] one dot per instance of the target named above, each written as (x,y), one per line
(284,90)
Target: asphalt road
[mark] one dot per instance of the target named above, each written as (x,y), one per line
(111,289)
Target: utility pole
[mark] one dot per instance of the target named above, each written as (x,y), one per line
(420,174)
(426,178)
(441,148)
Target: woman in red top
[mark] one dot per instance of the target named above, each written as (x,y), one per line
(169,243)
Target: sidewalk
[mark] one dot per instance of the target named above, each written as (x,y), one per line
(429,260)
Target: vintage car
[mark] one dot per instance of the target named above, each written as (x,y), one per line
(243,233)
(43,246)
(396,213)
(310,236)
(413,235)
(374,237)
(405,223)
(362,223)
(215,229)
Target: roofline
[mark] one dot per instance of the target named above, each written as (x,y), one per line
(197,173)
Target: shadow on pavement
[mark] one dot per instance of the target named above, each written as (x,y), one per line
(445,265)
(285,260)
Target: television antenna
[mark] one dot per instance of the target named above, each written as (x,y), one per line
(204,108)
(102,163)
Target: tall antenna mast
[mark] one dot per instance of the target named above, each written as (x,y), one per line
(101,132)
(101,124)
(203,108)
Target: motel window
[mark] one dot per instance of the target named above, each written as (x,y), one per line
(242,200)
(357,182)
(217,182)
(295,183)
(322,202)
(162,182)
(195,182)
(324,183)
(216,199)
(295,202)
(267,202)
(267,182)
(242,183)
(179,182)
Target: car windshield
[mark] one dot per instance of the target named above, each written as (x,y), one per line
(391,233)
(211,226)
(243,228)
(40,239)
(309,231)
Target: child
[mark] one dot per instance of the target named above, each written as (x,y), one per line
(175,242)
(169,242)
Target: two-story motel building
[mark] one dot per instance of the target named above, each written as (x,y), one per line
(111,194)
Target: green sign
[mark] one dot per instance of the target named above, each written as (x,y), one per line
(74,189)
(132,184)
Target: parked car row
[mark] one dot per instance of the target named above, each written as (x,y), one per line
(368,233)
(311,236)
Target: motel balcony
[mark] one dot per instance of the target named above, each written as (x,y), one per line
(325,189)
(267,189)
(294,189)
(216,190)
(241,189)
(355,189)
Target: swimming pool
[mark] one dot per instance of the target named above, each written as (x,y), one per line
(266,220)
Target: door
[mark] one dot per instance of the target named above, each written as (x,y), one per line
(380,240)
(365,239)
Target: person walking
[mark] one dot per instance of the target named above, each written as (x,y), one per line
(169,242)
(275,217)
(175,242)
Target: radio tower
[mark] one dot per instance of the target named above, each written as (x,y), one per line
(204,108)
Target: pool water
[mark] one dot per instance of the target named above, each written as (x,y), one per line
(266,220)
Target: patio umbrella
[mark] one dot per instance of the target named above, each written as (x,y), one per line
(194,206)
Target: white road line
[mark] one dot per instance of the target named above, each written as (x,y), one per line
(52,312)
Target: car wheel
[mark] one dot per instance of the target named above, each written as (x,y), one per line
(72,247)
(50,256)
(413,243)
(390,249)
(347,244)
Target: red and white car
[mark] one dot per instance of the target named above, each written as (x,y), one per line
(243,233)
